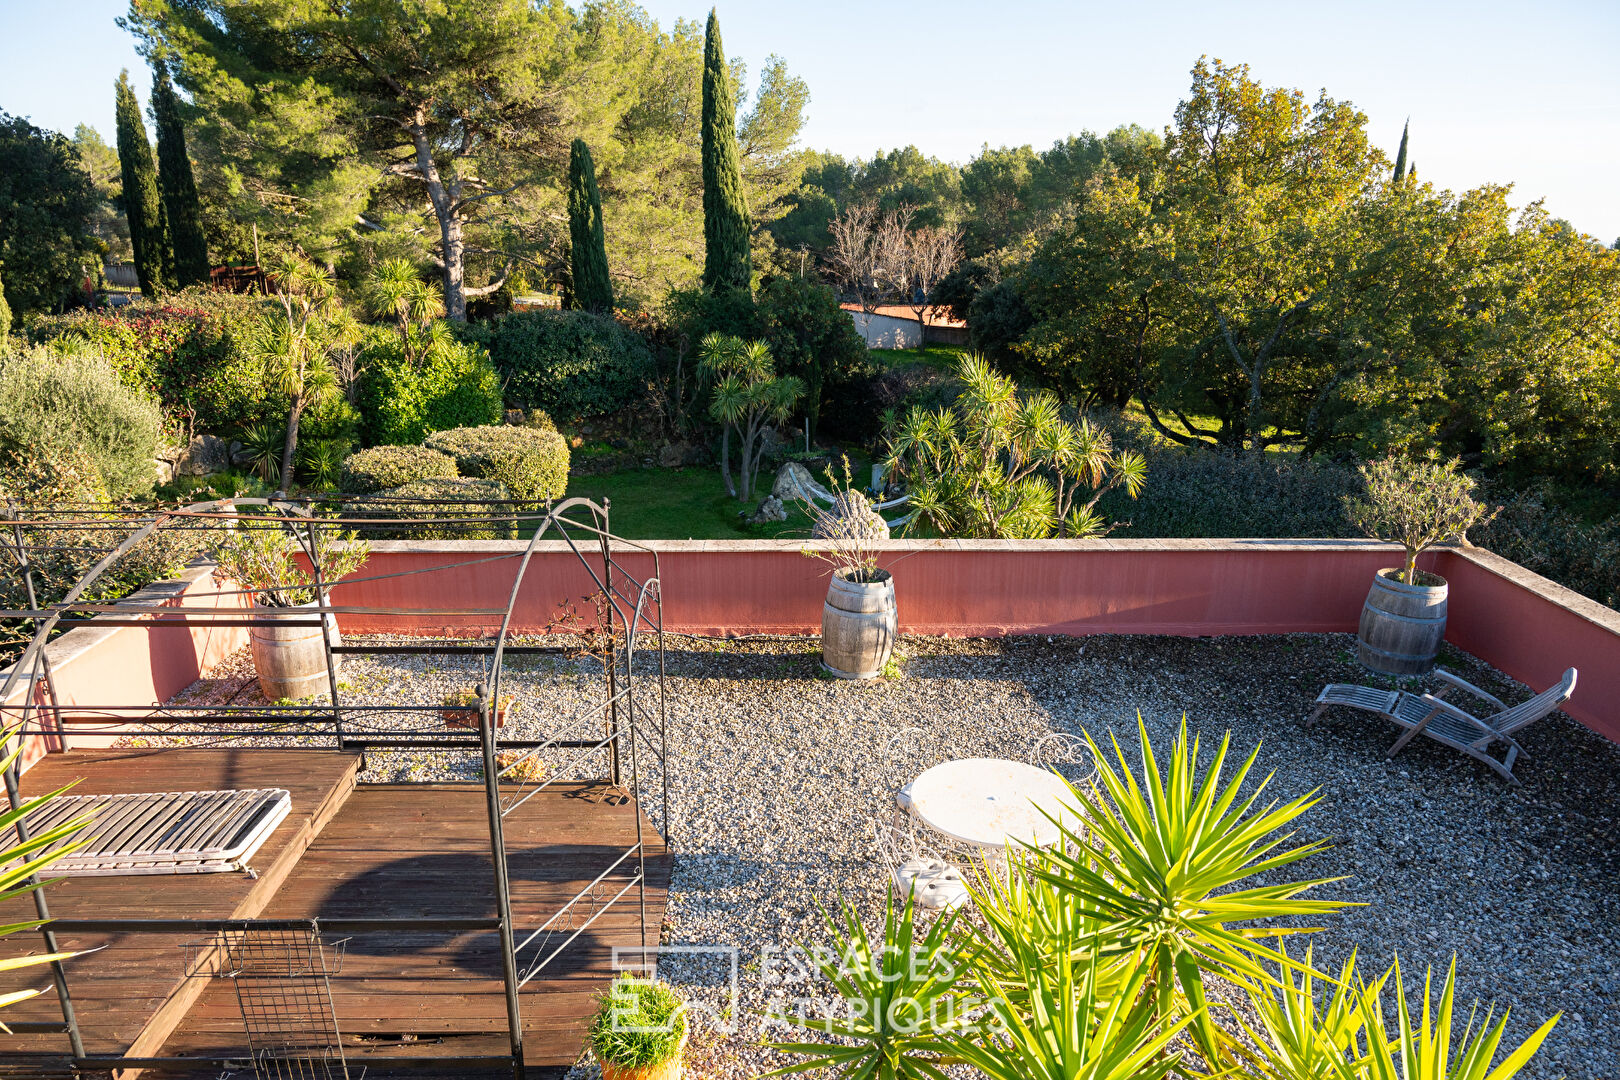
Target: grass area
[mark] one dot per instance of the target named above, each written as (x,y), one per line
(681,504)
(943,357)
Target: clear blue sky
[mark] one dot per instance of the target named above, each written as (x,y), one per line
(1520,92)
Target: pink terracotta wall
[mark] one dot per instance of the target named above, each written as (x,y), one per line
(131,665)
(950,587)
(1523,624)
(1532,629)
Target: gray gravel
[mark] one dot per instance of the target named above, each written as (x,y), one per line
(779,776)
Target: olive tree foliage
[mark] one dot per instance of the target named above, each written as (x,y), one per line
(1000,464)
(439,130)
(1417,503)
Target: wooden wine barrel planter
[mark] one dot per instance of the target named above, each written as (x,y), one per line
(290,659)
(858,626)
(1402,626)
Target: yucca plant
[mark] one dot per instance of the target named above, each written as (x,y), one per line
(1158,865)
(1299,1037)
(1002,464)
(901,995)
(19,862)
(1424,1051)
(262,444)
(1072,1025)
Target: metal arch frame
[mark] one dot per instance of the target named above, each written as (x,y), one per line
(634,606)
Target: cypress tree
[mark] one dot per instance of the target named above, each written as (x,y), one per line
(1400,155)
(177,185)
(727,263)
(141,203)
(593,288)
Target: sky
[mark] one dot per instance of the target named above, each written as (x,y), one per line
(1522,93)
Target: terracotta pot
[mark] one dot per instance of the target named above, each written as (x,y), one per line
(667,1070)
(468,717)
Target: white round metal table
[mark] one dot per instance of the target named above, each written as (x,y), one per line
(991,802)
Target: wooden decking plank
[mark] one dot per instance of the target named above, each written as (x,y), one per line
(422,851)
(133,992)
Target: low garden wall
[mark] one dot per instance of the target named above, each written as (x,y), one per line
(1523,624)
(126,665)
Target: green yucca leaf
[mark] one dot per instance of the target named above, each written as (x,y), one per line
(902,994)
(1299,1037)
(1156,864)
(1424,1051)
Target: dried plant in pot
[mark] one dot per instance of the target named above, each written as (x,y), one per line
(461,709)
(1417,503)
(859,621)
(262,555)
(639,1031)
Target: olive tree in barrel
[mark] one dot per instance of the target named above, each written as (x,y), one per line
(274,558)
(1417,503)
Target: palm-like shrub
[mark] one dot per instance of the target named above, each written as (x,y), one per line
(747,394)
(531,462)
(20,861)
(1000,464)
(380,467)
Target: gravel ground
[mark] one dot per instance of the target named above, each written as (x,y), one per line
(779,776)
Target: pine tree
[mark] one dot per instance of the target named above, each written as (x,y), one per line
(141,203)
(1400,155)
(593,288)
(727,263)
(179,188)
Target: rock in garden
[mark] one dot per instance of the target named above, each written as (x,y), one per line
(793,481)
(770,509)
(205,455)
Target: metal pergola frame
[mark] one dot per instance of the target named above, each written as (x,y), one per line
(612,726)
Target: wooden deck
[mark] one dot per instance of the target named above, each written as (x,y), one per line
(390,851)
(421,851)
(132,993)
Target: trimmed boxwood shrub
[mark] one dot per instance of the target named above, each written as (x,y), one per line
(453,385)
(468,495)
(367,471)
(531,462)
(572,364)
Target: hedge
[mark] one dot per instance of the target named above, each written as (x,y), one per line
(183,351)
(467,496)
(368,471)
(572,364)
(531,462)
(454,385)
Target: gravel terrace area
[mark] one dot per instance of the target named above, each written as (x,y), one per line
(779,775)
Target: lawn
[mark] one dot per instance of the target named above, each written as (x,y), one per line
(681,504)
(943,357)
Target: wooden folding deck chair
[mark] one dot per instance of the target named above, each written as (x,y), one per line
(1440,720)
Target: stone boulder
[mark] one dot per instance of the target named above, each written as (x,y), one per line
(205,455)
(770,510)
(794,483)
